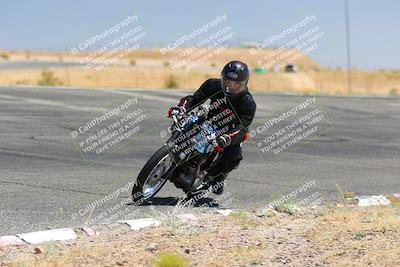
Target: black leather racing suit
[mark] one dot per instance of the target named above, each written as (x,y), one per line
(242,108)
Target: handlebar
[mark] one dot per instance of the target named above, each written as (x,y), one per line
(177,117)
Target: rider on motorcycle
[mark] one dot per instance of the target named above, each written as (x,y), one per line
(232,86)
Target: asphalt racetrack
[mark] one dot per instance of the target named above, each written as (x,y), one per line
(46,180)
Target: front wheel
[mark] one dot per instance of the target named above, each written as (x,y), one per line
(153,176)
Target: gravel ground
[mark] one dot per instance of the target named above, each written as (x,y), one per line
(328,236)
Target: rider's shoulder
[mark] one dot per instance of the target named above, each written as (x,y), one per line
(248,100)
(248,96)
(213,82)
(210,86)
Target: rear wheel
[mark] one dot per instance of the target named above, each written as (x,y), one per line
(153,176)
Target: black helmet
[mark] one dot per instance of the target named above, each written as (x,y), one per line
(234,78)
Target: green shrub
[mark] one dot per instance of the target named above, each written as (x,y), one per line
(48,78)
(348,195)
(171,82)
(21,82)
(170,259)
(241,215)
(5,56)
(359,234)
(394,91)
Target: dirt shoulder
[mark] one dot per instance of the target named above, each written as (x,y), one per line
(326,236)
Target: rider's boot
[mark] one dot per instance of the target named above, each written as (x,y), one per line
(218,186)
(217,183)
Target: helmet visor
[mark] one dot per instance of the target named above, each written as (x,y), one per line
(232,87)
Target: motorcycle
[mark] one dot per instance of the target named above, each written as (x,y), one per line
(185,159)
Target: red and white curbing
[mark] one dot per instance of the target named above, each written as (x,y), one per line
(141,223)
(9,240)
(48,235)
(137,224)
(89,231)
(70,234)
(224,212)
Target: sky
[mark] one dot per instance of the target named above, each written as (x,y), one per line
(61,25)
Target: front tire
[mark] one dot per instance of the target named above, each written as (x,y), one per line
(153,176)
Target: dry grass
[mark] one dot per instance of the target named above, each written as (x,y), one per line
(151,69)
(142,77)
(359,237)
(328,236)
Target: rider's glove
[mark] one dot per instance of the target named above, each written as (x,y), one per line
(179,111)
(222,142)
